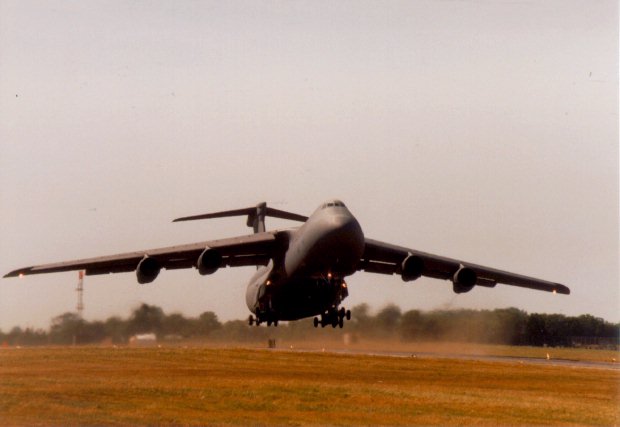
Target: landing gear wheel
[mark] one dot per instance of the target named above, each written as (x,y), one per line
(316,322)
(348,314)
(341,322)
(275,323)
(251,320)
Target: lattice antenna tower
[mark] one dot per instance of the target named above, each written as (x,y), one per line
(80,293)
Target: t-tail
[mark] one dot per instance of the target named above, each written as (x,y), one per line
(256,216)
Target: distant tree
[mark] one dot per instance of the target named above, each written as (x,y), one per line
(116,329)
(177,324)
(411,325)
(206,323)
(508,326)
(388,319)
(35,337)
(92,332)
(548,329)
(557,330)
(536,330)
(14,334)
(433,325)
(501,326)
(66,328)
(146,318)
(362,321)
(28,336)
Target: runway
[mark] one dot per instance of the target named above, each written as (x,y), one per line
(476,357)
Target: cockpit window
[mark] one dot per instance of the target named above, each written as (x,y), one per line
(335,203)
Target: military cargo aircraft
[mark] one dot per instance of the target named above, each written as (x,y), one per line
(300,271)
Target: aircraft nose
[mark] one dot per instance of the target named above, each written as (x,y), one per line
(344,228)
(342,245)
(341,223)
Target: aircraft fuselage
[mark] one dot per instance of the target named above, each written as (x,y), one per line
(308,279)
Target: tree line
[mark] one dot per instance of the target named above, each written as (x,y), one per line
(501,326)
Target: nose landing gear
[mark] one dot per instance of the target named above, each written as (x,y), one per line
(333,317)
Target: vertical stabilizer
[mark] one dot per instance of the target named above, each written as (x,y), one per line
(256,218)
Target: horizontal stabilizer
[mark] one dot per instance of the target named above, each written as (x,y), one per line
(256,216)
(223,214)
(276,213)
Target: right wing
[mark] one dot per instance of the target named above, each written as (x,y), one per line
(385,258)
(254,249)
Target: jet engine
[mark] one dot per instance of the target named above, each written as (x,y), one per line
(209,261)
(412,268)
(464,280)
(148,269)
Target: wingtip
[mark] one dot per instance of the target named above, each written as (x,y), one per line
(17,273)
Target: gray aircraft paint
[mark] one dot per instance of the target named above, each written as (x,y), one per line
(301,271)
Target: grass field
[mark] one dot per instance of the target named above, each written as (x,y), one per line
(197,386)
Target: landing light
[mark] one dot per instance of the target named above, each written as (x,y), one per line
(21,275)
(555,292)
(329,275)
(344,284)
(268,282)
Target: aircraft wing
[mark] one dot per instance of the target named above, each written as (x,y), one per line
(254,249)
(386,258)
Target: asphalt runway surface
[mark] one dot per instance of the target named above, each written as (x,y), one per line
(482,358)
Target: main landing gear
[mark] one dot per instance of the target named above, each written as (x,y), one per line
(333,317)
(257,321)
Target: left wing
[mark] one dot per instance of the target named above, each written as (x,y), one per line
(386,258)
(255,249)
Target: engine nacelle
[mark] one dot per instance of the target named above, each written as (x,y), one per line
(209,261)
(148,269)
(412,268)
(464,280)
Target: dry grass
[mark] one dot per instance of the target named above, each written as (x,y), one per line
(197,386)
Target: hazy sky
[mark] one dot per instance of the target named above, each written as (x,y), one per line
(480,130)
